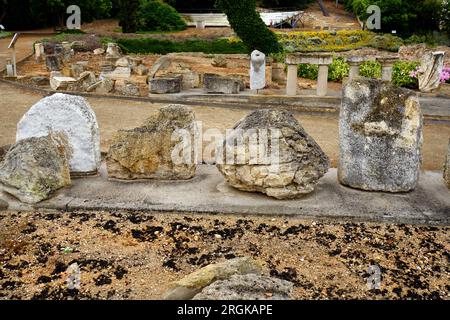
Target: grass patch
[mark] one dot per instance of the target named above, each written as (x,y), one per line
(156,46)
(4,34)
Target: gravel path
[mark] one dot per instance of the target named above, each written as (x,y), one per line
(126,255)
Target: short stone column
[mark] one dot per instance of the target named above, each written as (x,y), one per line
(354,62)
(323,60)
(291,84)
(387,64)
(38,51)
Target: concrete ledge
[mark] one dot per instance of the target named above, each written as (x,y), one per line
(209,193)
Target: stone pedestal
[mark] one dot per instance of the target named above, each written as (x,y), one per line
(387,64)
(38,51)
(355,63)
(291,84)
(323,60)
(257,70)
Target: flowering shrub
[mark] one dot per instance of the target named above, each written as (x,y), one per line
(445,75)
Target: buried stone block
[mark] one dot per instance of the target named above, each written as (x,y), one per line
(153,150)
(380,137)
(163,85)
(34,168)
(193,283)
(73,116)
(274,156)
(218,84)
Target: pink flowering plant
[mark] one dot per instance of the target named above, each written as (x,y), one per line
(445,75)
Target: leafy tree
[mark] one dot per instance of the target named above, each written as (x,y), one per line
(155,15)
(128,15)
(248,25)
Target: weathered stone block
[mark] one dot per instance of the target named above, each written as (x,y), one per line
(380,137)
(218,84)
(165,85)
(62,83)
(53,62)
(73,116)
(148,152)
(34,168)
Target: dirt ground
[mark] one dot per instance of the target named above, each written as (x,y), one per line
(126,255)
(116,114)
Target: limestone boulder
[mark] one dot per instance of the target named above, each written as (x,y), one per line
(34,168)
(113,52)
(120,73)
(123,62)
(247,287)
(73,116)
(102,86)
(99,51)
(127,88)
(381,134)
(163,63)
(447,167)
(194,283)
(76,70)
(86,80)
(274,155)
(140,70)
(153,150)
(431,66)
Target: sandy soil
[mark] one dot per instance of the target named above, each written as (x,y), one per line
(24,47)
(115,114)
(126,255)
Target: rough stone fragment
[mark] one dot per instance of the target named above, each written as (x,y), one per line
(161,64)
(76,70)
(276,157)
(41,81)
(79,46)
(127,88)
(123,62)
(257,70)
(165,85)
(73,116)
(113,52)
(247,287)
(120,73)
(218,84)
(99,51)
(192,284)
(34,168)
(140,70)
(147,152)
(53,62)
(447,167)
(103,86)
(380,137)
(86,80)
(62,83)
(3,205)
(431,66)
(219,62)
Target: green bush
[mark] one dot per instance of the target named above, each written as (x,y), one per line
(248,25)
(339,69)
(402,74)
(155,15)
(156,46)
(308,71)
(370,69)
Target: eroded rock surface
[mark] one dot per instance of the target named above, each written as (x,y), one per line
(147,152)
(290,166)
(33,169)
(380,137)
(247,287)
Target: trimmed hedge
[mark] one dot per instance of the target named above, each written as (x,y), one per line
(156,46)
(155,15)
(248,25)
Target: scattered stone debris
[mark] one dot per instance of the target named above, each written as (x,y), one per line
(34,168)
(381,135)
(290,165)
(146,152)
(161,85)
(247,287)
(193,284)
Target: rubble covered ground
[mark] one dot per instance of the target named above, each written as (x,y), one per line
(134,255)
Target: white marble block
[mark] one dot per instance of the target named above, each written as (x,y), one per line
(73,116)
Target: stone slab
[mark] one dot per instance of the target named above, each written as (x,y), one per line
(207,192)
